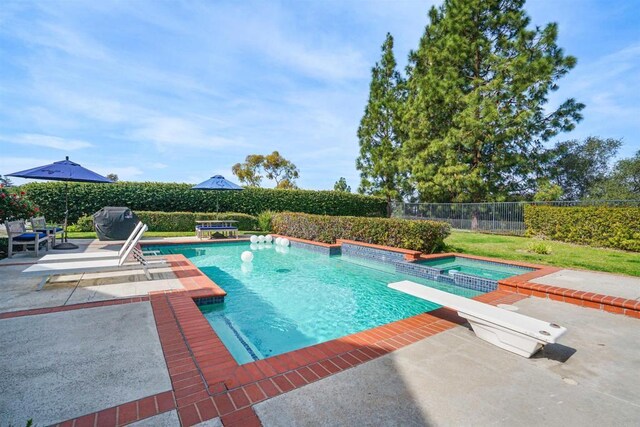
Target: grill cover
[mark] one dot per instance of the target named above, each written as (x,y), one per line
(114,223)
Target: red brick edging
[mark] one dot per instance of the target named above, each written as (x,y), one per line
(126,413)
(208,382)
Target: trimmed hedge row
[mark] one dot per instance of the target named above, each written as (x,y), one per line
(179,221)
(601,226)
(186,221)
(85,199)
(419,235)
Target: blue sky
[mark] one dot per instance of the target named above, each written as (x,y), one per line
(179,91)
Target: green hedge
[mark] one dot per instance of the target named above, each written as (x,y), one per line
(425,236)
(601,226)
(85,199)
(178,221)
(186,221)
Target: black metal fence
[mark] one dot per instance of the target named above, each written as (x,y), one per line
(492,217)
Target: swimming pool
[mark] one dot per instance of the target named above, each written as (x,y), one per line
(478,268)
(293,298)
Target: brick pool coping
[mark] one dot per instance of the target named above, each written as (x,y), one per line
(206,380)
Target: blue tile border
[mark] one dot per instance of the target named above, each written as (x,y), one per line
(208,300)
(375,254)
(500,264)
(459,279)
(334,250)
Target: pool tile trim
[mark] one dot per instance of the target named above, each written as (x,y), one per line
(522,285)
(208,382)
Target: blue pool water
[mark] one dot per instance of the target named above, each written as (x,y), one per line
(474,267)
(285,301)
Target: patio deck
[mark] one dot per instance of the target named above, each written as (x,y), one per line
(425,370)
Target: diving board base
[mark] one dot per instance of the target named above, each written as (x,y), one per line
(506,339)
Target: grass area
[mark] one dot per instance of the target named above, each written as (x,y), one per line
(92,234)
(561,255)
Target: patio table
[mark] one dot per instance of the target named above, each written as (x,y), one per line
(209,227)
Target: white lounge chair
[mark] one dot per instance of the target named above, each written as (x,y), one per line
(133,239)
(511,331)
(49,269)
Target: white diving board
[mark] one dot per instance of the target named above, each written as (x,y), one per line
(506,329)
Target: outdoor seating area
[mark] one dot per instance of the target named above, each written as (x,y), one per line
(18,236)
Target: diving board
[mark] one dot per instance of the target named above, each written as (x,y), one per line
(508,330)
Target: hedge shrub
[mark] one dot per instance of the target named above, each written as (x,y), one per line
(425,236)
(85,199)
(186,221)
(601,226)
(177,221)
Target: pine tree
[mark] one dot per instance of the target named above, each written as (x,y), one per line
(341,185)
(477,88)
(379,134)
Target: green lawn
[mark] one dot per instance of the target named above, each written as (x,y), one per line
(562,254)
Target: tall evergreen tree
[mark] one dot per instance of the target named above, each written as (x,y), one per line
(379,133)
(477,88)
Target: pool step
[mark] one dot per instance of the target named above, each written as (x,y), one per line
(237,343)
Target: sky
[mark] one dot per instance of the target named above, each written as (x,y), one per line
(178,91)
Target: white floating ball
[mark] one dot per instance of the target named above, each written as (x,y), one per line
(253,246)
(261,239)
(278,240)
(268,238)
(253,239)
(247,256)
(285,242)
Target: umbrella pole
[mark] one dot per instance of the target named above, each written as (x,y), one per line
(65,239)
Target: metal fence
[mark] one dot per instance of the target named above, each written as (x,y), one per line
(493,217)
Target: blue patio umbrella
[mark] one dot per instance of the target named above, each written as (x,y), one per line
(64,170)
(217,183)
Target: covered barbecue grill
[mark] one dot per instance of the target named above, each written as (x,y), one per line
(114,223)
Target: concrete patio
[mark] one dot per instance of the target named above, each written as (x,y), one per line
(87,358)
(453,378)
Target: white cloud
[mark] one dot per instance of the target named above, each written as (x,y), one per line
(174,132)
(48,141)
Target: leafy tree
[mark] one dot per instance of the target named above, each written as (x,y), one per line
(281,170)
(622,184)
(578,166)
(548,192)
(477,88)
(341,185)
(5,181)
(248,172)
(380,132)
(273,166)
(113,177)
